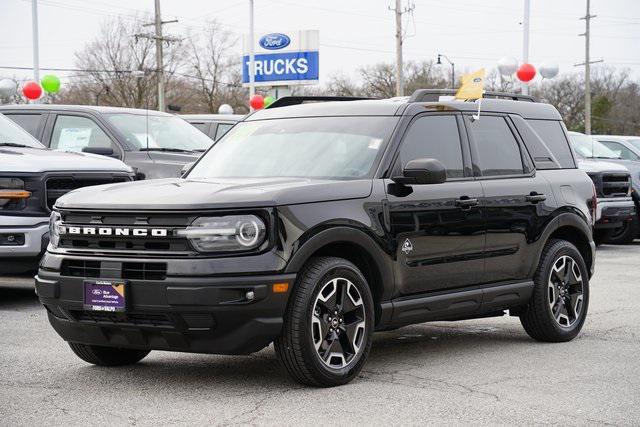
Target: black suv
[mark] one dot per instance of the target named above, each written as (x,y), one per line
(313,225)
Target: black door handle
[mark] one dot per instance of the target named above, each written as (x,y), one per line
(466,202)
(534,197)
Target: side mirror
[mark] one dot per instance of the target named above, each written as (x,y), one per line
(186,168)
(422,171)
(103,151)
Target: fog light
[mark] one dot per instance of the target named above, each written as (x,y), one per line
(250,295)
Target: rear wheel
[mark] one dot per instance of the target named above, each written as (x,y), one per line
(107,356)
(558,306)
(328,325)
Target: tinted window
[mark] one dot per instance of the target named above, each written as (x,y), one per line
(11,133)
(28,122)
(622,151)
(498,150)
(73,133)
(551,132)
(222,129)
(202,127)
(434,137)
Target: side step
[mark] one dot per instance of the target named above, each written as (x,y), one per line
(463,303)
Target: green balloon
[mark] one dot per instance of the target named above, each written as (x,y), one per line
(268,101)
(50,83)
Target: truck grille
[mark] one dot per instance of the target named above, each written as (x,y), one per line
(612,184)
(134,245)
(123,319)
(114,270)
(58,186)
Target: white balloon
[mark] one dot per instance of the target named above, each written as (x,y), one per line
(8,88)
(549,70)
(225,109)
(507,66)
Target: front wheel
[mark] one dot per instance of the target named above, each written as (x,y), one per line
(107,356)
(558,307)
(328,324)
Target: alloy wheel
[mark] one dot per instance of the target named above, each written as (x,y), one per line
(565,291)
(338,323)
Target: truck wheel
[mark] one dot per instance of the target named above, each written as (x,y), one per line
(107,356)
(328,324)
(558,306)
(624,235)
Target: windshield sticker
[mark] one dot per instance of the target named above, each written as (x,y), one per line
(375,143)
(142,139)
(74,139)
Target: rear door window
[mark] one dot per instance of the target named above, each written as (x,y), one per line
(498,151)
(222,129)
(622,151)
(32,123)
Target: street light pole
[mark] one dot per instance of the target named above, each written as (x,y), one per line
(252,88)
(453,68)
(525,41)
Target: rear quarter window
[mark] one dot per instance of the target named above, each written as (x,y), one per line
(552,134)
(29,122)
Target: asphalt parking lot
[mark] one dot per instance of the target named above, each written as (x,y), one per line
(481,371)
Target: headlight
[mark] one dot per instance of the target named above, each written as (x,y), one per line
(13,196)
(226,233)
(54,229)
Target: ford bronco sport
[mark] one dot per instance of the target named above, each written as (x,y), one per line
(313,225)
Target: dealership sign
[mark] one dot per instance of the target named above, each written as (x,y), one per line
(283,58)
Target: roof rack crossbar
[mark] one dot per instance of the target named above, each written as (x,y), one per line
(433,95)
(296,100)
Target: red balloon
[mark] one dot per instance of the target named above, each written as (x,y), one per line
(32,90)
(257,102)
(526,72)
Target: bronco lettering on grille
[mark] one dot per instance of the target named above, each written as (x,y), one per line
(116,231)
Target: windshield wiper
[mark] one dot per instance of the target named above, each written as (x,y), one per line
(173,150)
(13,144)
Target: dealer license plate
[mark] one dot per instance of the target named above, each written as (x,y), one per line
(104,295)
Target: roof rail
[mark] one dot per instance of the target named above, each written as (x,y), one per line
(433,95)
(296,100)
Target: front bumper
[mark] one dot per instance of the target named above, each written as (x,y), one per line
(31,235)
(190,314)
(612,213)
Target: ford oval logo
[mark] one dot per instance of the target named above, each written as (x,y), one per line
(274,41)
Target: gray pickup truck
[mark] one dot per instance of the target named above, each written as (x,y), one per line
(31,180)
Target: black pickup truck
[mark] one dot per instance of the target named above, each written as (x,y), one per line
(314,225)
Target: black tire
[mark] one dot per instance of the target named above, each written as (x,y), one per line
(624,235)
(107,356)
(539,319)
(295,347)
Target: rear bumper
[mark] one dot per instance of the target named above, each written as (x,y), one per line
(31,235)
(191,314)
(613,213)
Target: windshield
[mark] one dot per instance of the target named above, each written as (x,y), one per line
(313,147)
(12,134)
(161,132)
(586,147)
(634,141)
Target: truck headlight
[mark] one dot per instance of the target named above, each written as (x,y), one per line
(55,221)
(225,233)
(13,196)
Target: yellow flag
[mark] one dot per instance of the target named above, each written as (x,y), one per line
(472,85)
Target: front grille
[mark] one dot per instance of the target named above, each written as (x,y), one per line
(123,318)
(56,187)
(612,184)
(114,270)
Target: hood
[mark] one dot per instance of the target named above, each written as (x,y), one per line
(178,193)
(23,159)
(595,166)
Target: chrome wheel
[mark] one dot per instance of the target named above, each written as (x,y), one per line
(338,323)
(565,291)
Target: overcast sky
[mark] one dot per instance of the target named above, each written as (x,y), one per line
(353,33)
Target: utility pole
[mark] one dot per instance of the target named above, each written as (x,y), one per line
(159,38)
(252,87)
(525,41)
(399,11)
(34,32)
(587,69)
